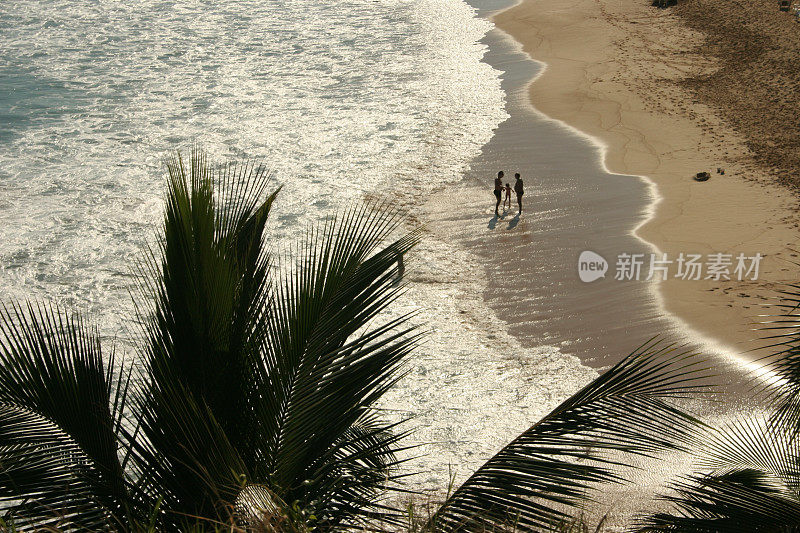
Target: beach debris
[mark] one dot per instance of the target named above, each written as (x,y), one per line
(784,5)
(702,176)
(664,3)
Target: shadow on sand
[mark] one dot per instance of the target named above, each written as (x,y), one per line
(511,223)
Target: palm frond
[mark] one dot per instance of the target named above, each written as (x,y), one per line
(748,475)
(208,284)
(61,410)
(555,464)
(325,367)
(783,330)
(280,372)
(751,483)
(732,502)
(754,443)
(187,459)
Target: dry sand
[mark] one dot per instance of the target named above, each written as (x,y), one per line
(628,74)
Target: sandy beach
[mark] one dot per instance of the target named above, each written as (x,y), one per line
(626,74)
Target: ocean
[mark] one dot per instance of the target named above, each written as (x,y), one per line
(340,99)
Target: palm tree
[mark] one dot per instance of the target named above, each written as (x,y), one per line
(254,387)
(251,400)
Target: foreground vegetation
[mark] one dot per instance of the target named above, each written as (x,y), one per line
(251,405)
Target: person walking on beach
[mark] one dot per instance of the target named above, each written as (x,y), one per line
(519,188)
(507,196)
(498,192)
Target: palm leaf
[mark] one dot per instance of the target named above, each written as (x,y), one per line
(187,459)
(744,500)
(325,368)
(532,482)
(208,287)
(60,415)
(248,378)
(753,444)
(749,478)
(751,482)
(783,387)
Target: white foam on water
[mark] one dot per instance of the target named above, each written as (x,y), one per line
(339,100)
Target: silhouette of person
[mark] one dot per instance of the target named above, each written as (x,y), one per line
(498,192)
(519,188)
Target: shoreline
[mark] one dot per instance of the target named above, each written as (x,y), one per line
(573,204)
(584,88)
